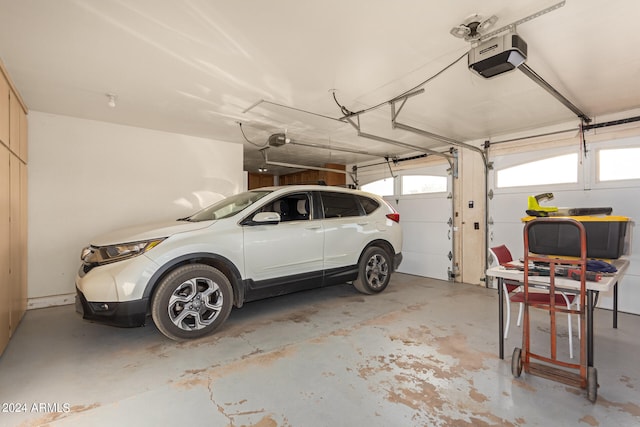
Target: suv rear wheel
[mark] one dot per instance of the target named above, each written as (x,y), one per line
(192,301)
(374,271)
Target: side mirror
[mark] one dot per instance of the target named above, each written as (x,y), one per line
(264,218)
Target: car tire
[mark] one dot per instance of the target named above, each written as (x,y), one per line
(192,301)
(374,271)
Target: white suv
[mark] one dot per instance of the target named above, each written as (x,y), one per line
(187,274)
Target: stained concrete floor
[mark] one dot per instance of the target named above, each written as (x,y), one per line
(423,353)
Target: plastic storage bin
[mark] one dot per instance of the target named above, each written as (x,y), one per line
(605,237)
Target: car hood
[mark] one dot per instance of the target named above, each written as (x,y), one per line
(148,231)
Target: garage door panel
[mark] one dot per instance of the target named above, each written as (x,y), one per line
(509,234)
(425,265)
(426,237)
(424,209)
(426,230)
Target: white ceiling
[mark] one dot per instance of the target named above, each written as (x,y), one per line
(196,66)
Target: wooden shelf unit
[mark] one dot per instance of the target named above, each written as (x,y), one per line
(13,208)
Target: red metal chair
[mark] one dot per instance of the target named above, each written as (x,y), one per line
(502,255)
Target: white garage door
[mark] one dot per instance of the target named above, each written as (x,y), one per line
(588,189)
(425,218)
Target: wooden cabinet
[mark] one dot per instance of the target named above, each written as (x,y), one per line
(23,136)
(334,178)
(314,176)
(14,123)
(23,296)
(13,208)
(259,180)
(17,237)
(304,177)
(4,111)
(5,248)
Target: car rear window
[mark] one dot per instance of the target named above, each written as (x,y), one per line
(369,205)
(340,205)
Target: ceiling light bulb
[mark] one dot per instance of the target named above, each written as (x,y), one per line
(112,100)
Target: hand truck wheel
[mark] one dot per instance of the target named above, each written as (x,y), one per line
(592,383)
(516,362)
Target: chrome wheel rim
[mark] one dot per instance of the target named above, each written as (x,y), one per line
(376,271)
(195,304)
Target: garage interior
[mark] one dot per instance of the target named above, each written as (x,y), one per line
(119,113)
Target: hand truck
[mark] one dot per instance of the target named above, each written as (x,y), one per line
(587,376)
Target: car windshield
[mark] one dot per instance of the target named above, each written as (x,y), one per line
(228,207)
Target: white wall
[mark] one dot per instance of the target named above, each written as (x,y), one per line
(88,177)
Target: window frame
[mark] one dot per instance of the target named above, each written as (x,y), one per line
(393,186)
(354,197)
(506,161)
(403,176)
(360,198)
(540,160)
(614,183)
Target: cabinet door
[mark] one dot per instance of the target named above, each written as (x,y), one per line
(334,178)
(4,111)
(23,135)
(5,301)
(15,269)
(14,123)
(17,238)
(22,294)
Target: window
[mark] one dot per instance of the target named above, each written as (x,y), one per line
(417,184)
(381,187)
(228,207)
(618,164)
(554,170)
(293,207)
(339,205)
(369,205)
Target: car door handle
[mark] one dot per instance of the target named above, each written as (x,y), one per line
(363,223)
(313,227)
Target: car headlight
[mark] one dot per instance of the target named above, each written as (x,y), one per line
(107,254)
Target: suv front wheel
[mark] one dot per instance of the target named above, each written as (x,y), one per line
(192,301)
(374,271)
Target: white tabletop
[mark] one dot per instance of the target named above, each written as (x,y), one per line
(605,284)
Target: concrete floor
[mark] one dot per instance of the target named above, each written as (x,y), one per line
(423,353)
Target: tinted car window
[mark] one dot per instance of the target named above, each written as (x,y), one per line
(369,205)
(292,207)
(340,205)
